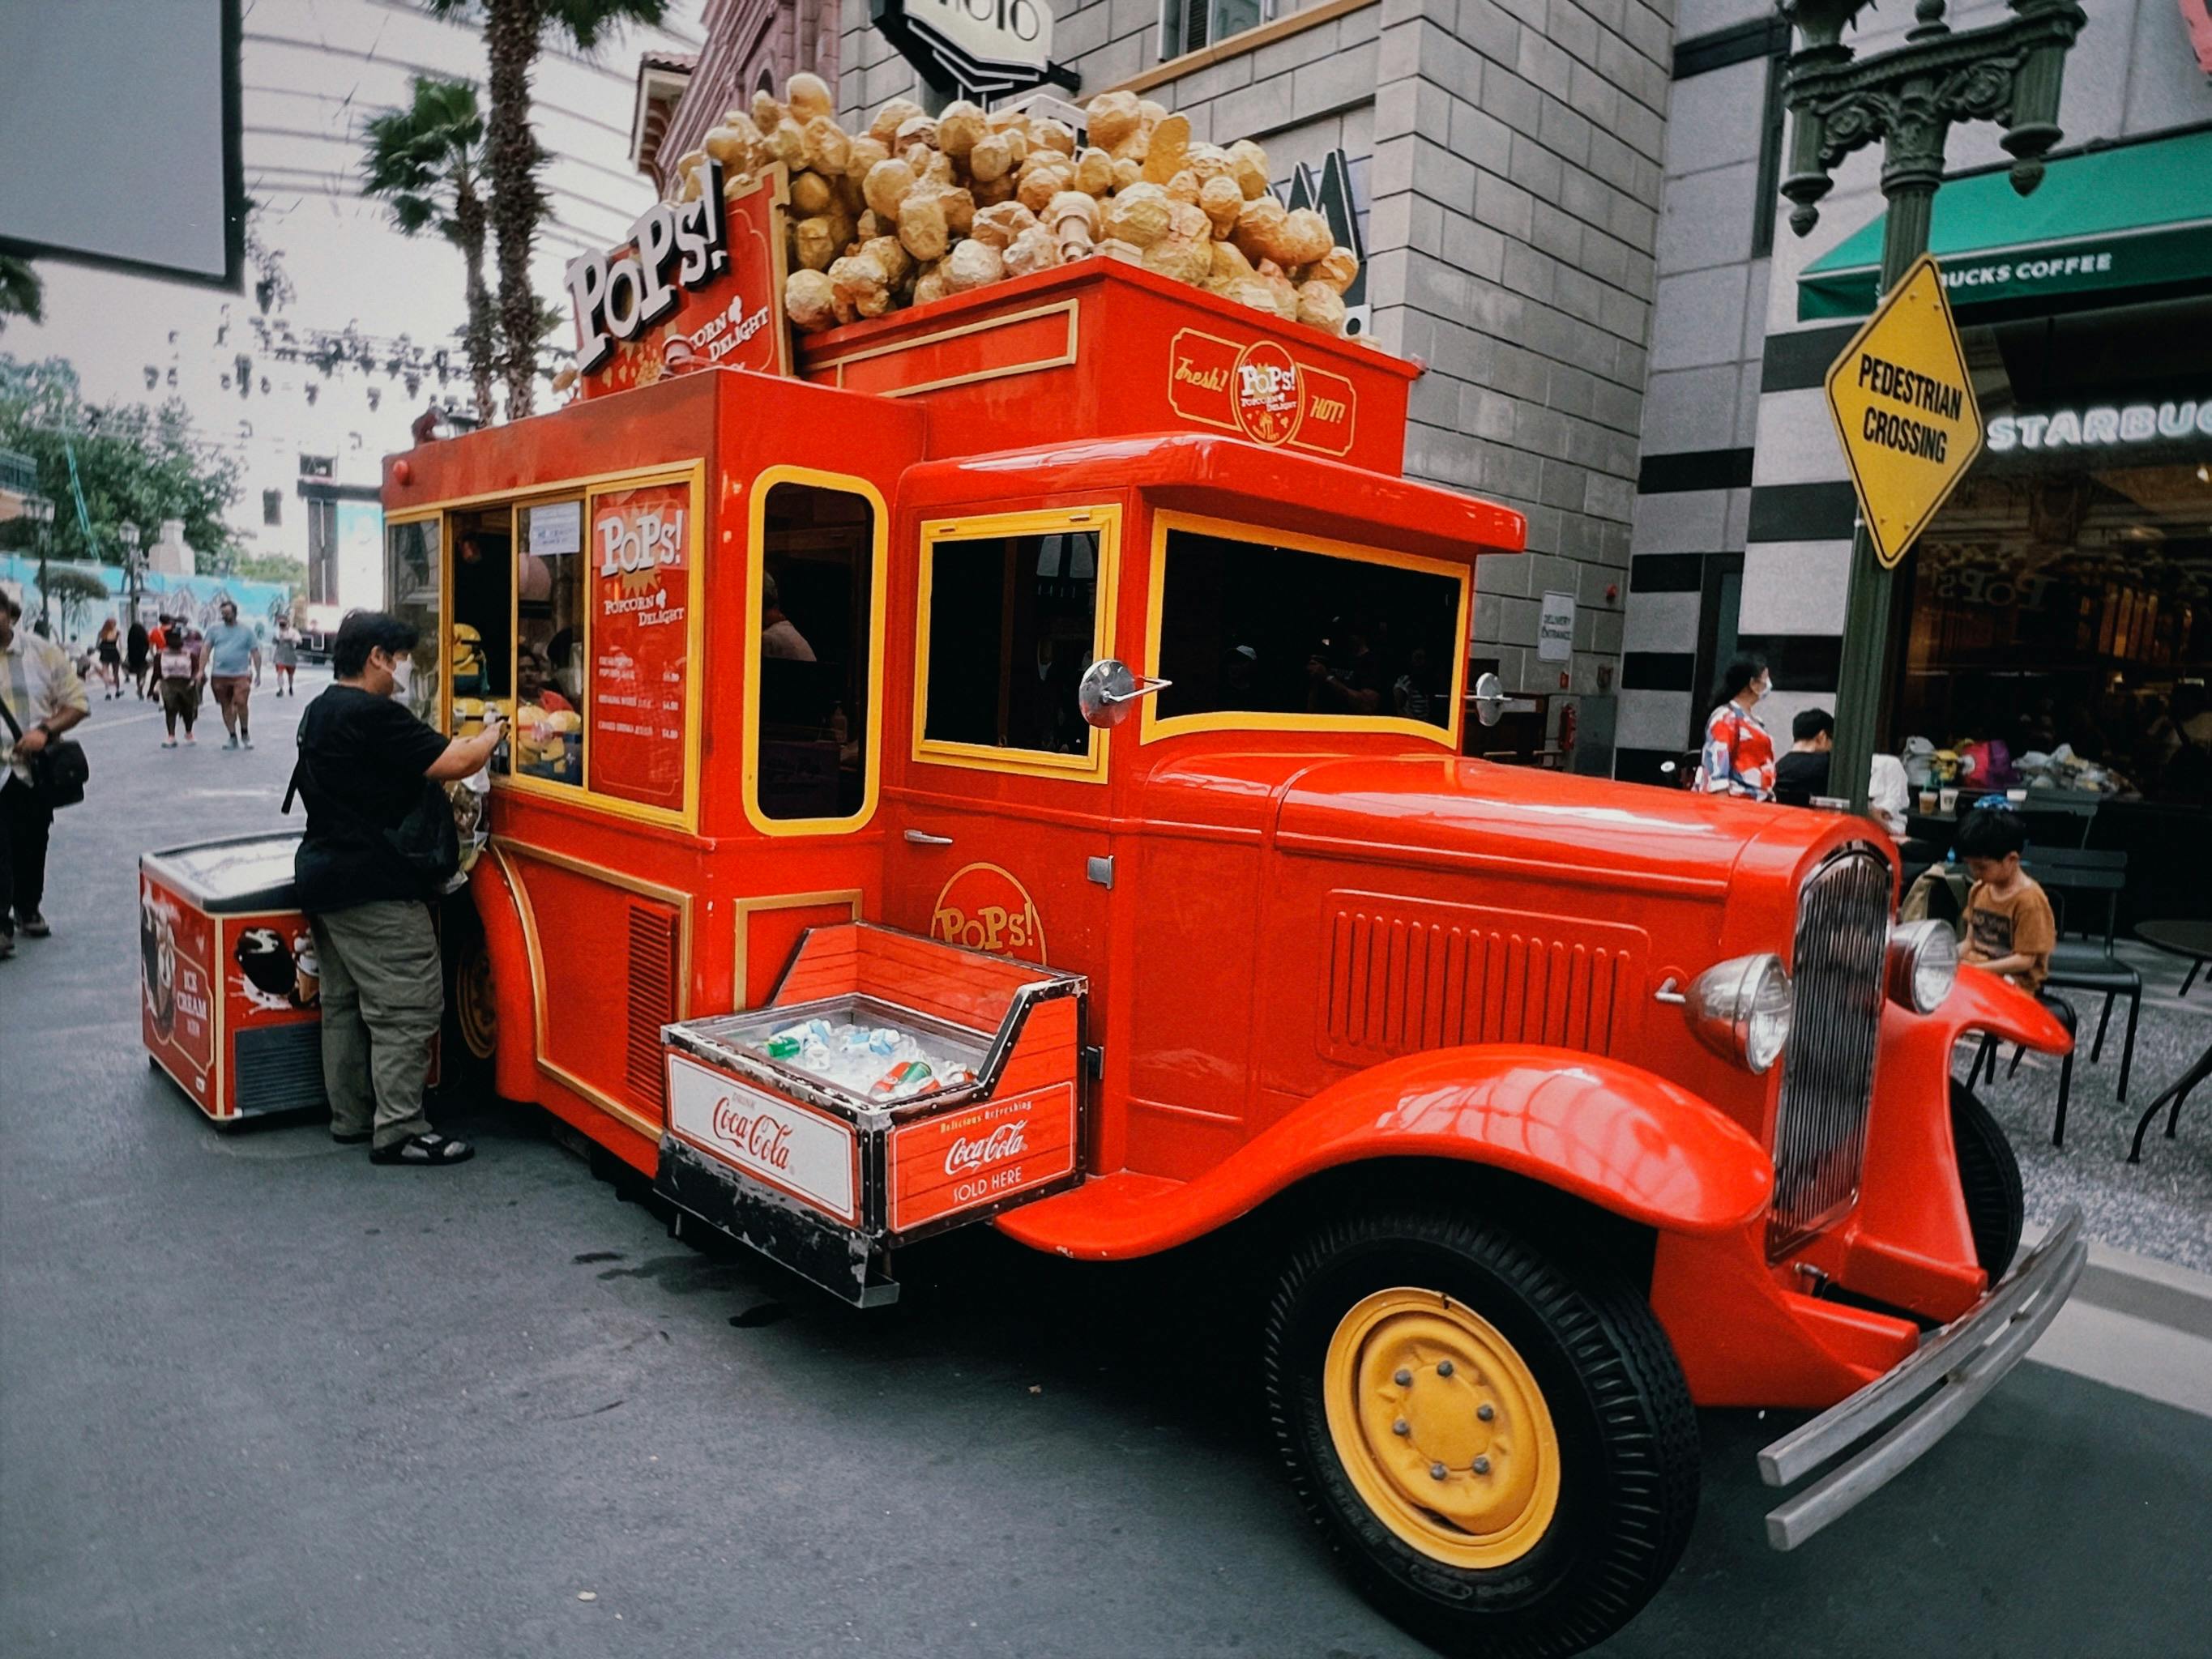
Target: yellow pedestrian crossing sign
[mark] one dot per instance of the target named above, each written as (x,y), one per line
(1903,406)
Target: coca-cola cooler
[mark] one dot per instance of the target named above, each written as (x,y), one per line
(892,1087)
(229,992)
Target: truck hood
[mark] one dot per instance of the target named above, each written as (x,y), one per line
(1448,811)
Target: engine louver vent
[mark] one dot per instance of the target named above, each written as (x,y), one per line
(654,965)
(1405,976)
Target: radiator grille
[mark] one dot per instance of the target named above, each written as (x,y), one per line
(1399,983)
(652,972)
(1827,1074)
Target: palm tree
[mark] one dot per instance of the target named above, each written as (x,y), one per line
(514,31)
(20,292)
(426,162)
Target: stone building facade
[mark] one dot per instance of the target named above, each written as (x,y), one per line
(1744,510)
(1505,161)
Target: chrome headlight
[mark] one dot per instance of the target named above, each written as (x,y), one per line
(1923,965)
(1740,1009)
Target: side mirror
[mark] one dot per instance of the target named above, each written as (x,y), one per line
(1489,700)
(1107,691)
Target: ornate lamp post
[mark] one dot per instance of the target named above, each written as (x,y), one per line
(40,512)
(128,535)
(1906,100)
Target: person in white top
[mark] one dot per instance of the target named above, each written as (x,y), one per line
(42,696)
(779,637)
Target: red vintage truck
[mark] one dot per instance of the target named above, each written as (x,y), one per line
(1064,677)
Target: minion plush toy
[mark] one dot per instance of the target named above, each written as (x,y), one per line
(468,661)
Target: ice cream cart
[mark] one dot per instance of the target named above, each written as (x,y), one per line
(229,991)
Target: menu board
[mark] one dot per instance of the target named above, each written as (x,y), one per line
(641,635)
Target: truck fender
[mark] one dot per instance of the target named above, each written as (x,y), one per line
(1981,1001)
(1613,1135)
(514,1072)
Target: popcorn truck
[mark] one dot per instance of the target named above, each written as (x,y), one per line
(1003,762)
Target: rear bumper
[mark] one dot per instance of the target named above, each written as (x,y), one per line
(1940,1382)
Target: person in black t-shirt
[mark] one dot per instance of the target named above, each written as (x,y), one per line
(1803,772)
(363,760)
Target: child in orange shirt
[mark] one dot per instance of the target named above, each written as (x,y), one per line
(2009,928)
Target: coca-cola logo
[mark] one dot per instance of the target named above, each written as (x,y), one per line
(761,1136)
(965,1156)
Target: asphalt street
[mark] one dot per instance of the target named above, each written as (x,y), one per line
(263,1398)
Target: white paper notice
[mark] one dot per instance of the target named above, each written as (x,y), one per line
(556,528)
(1555,628)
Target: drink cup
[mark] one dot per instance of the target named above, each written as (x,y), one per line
(1928,798)
(1950,799)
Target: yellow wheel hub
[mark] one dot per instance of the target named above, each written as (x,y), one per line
(473,1010)
(1442,1427)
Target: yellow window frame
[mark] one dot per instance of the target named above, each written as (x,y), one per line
(1089,766)
(878,590)
(590,488)
(1154,728)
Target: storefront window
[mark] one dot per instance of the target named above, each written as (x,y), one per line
(817,621)
(2060,623)
(550,642)
(1251,627)
(1013,623)
(410,551)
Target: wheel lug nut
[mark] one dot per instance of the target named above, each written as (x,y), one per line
(1443,1368)
(1482,1466)
(1435,1471)
(1485,1411)
(1401,1426)
(1401,1377)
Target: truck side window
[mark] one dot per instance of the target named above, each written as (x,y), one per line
(550,642)
(410,578)
(1250,627)
(817,575)
(1012,625)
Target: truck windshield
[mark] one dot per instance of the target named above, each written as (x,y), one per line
(1251,627)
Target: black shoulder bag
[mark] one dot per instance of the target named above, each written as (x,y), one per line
(425,842)
(58,772)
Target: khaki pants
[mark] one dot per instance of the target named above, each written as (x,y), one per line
(384,997)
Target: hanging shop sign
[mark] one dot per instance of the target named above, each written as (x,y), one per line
(978,48)
(2101,425)
(642,552)
(1903,407)
(675,299)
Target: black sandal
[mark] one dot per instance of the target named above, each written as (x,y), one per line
(430,1149)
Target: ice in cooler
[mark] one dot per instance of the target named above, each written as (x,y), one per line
(874,1061)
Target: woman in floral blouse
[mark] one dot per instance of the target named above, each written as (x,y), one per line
(1739,755)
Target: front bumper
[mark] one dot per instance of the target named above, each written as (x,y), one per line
(1961,1362)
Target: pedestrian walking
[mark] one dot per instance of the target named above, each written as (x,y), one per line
(109,652)
(137,647)
(233,650)
(369,772)
(284,655)
(181,659)
(40,698)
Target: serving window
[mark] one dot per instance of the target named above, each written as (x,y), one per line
(411,579)
(814,673)
(575,612)
(1256,630)
(1013,610)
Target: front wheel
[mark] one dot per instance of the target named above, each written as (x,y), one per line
(1989,1180)
(1500,1444)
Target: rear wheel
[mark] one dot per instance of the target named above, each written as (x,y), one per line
(1498,1442)
(1989,1178)
(471,1031)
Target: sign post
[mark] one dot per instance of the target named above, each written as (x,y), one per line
(1906,99)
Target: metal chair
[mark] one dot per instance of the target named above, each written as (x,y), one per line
(2088,964)
(1986,1057)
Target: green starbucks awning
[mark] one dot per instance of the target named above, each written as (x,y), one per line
(2135,216)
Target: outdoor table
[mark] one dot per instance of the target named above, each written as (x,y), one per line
(2170,1102)
(2181,937)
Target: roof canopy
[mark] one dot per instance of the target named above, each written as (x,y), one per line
(2131,216)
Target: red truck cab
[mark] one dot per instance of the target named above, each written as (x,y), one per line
(1071,662)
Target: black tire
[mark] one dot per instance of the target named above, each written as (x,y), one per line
(1626,1434)
(1989,1177)
(465,1075)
